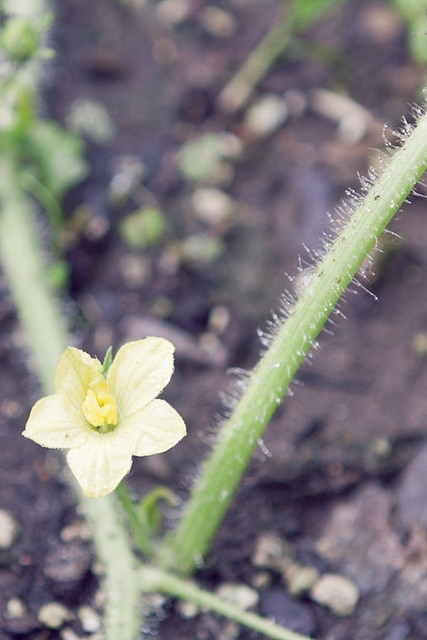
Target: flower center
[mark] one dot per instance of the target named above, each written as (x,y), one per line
(99,407)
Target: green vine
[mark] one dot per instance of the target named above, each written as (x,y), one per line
(293,339)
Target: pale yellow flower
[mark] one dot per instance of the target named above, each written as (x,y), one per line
(104,421)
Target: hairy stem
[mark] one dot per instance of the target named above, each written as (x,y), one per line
(240,434)
(41,317)
(153,579)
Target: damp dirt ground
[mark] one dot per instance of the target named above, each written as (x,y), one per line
(340,476)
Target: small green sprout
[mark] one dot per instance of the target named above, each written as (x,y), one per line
(20,39)
(143,228)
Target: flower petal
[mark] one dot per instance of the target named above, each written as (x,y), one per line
(156,428)
(100,463)
(139,372)
(54,423)
(76,369)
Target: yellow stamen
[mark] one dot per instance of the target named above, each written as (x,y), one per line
(99,406)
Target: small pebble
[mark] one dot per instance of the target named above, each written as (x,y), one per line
(135,270)
(213,206)
(379,23)
(419,344)
(91,119)
(89,618)
(266,115)
(11,408)
(219,318)
(218,22)
(231,630)
(353,119)
(299,579)
(68,634)
(336,592)
(186,609)
(79,530)
(239,594)
(272,552)
(15,608)
(261,580)
(173,11)
(8,529)
(53,615)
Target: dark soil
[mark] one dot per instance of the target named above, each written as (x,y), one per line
(340,473)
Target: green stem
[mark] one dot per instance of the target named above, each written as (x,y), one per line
(26,273)
(239,436)
(153,579)
(299,15)
(49,203)
(43,323)
(240,87)
(142,540)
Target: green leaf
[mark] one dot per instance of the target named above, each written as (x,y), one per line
(143,228)
(414,12)
(411,9)
(304,12)
(199,159)
(149,512)
(108,359)
(59,154)
(19,39)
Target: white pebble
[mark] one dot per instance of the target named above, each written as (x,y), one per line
(239,594)
(91,119)
(53,615)
(8,529)
(272,552)
(89,618)
(218,22)
(299,579)
(212,205)
(266,115)
(173,11)
(78,530)
(337,593)
(15,608)
(68,634)
(187,609)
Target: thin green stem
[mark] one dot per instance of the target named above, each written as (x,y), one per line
(299,15)
(240,87)
(25,269)
(154,579)
(43,322)
(141,537)
(239,436)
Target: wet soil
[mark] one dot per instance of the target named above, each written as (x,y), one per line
(340,473)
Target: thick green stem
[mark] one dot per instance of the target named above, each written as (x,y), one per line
(268,383)
(43,323)
(153,579)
